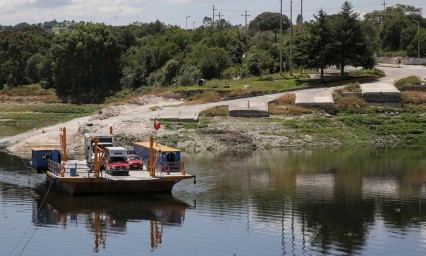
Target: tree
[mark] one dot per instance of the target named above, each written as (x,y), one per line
(314,50)
(16,49)
(258,61)
(392,25)
(269,21)
(211,61)
(350,46)
(86,64)
(207,22)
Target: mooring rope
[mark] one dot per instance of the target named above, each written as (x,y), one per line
(26,231)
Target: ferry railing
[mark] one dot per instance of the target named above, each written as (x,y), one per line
(169,167)
(72,169)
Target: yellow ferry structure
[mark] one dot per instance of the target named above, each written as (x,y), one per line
(77,177)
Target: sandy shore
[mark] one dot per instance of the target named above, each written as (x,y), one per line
(134,122)
(133,119)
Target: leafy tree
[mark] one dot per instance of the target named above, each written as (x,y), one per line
(207,22)
(412,48)
(258,61)
(86,64)
(140,61)
(211,61)
(16,49)
(269,21)
(144,29)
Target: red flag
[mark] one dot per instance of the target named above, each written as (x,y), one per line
(157,125)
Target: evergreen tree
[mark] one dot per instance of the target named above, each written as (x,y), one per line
(314,50)
(350,46)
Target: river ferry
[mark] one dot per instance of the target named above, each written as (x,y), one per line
(79,177)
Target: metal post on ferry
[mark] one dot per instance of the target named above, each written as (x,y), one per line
(63,141)
(97,166)
(151,156)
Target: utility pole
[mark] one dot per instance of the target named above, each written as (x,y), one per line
(193,25)
(186,22)
(301,16)
(246,15)
(219,17)
(384,5)
(291,38)
(418,39)
(281,38)
(214,9)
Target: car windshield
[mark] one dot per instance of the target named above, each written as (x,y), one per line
(133,158)
(116,160)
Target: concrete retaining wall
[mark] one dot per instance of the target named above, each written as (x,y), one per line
(248,113)
(382,97)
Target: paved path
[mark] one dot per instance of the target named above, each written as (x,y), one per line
(312,96)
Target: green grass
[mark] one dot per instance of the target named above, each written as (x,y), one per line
(203,123)
(36,116)
(359,129)
(52,108)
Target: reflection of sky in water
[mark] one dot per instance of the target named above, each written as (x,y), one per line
(388,241)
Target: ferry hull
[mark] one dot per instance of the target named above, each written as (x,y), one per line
(78,188)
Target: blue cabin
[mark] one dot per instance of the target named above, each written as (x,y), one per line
(169,159)
(40,157)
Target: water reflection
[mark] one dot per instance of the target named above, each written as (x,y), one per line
(334,200)
(364,201)
(103,215)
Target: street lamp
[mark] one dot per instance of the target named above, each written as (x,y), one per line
(418,38)
(186,23)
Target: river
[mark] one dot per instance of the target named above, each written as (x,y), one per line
(298,202)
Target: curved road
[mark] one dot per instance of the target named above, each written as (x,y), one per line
(136,119)
(393,72)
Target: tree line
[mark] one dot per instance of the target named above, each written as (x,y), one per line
(88,62)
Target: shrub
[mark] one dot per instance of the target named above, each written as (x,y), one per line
(206,96)
(351,104)
(414,97)
(411,80)
(352,87)
(285,105)
(288,98)
(216,111)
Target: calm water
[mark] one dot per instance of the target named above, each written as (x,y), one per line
(367,202)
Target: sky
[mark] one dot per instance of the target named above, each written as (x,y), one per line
(174,12)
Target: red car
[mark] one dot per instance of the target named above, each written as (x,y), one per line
(134,161)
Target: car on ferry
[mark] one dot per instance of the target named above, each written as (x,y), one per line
(115,161)
(134,161)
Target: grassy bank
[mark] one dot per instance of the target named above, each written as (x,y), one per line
(36,116)
(313,131)
(387,129)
